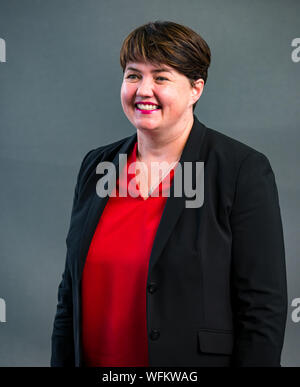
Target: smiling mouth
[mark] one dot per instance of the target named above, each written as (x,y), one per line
(146,107)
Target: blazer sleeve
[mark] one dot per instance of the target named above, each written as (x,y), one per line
(62,339)
(259,287)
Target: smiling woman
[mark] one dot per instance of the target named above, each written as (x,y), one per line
(162,82)
(158,98)
(149,280)
(167,70)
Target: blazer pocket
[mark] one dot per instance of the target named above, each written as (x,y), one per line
(214,341)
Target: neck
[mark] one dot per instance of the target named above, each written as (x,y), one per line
(163,145)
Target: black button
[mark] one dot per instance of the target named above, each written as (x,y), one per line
(154,334)
(152,287)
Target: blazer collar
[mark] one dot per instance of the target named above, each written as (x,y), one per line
(173,207)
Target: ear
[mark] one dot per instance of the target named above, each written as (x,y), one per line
(197,89)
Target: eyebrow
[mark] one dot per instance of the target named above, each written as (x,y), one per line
(160,70)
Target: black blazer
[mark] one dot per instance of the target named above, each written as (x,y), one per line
(216,287)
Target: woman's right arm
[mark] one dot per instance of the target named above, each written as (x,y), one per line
(62,354)
(62,339)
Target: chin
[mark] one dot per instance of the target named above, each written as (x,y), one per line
(145,126)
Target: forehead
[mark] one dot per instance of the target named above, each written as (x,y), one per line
(147,66)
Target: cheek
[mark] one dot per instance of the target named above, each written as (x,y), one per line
(123,94)
(180,100)
(172,98)
(127,93)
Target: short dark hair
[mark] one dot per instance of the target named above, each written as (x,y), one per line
(166,42)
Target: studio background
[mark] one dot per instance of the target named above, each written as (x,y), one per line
(60,97)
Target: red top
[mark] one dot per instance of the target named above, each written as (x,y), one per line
(114,279)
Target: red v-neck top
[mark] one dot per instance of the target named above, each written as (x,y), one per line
(114,279)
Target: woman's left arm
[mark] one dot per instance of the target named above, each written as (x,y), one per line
(259,286)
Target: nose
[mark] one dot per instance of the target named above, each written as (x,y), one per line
(145,88)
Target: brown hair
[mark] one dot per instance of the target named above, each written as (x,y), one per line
(165,42)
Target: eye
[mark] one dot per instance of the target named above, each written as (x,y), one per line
(135,76)
(131,76)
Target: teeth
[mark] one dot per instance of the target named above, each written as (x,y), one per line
(147,107)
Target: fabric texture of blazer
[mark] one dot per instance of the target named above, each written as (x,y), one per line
(216,290)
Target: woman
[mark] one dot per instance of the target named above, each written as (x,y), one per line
(157,280)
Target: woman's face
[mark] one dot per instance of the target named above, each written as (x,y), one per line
(169,93)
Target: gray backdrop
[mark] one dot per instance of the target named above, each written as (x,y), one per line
(59,98)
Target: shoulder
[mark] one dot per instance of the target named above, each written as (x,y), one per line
(235,166)
(230,152)
(94,156)
(221,143)
(104,151)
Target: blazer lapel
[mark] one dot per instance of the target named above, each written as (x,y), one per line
(175,205)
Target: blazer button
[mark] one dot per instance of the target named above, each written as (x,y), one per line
(152,287)
(154,334)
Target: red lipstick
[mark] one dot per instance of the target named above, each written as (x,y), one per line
(147,103)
